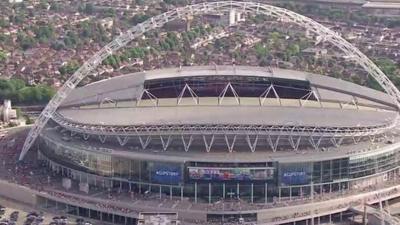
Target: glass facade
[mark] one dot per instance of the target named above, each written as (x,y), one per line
(208,181)
(372,164)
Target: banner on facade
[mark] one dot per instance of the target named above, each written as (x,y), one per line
(235,174)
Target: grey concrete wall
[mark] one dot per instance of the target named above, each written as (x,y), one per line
(17,193)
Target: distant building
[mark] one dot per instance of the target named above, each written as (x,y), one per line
(383,8)
(315,52)
(7,113)
(107,22)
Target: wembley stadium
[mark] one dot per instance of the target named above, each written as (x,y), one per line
(260,135)
(218,144)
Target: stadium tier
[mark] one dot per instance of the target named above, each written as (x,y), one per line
(212,133)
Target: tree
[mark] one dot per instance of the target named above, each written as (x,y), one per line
(44,33)
(89,8)
(71,39)
(292,50)
(25,41)
(4,23)
(113,60)
(18,84)
(3,56)
(386,65)
(261,50)
(110,12)
(139,18)
(69,68)
(54,6)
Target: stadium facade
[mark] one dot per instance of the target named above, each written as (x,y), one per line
(208,134)
(211,143)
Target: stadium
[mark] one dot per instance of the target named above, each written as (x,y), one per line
(260,135)
(221,143)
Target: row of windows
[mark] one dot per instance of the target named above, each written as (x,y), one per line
(284,174)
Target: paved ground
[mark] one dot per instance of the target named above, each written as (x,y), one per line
(23,210)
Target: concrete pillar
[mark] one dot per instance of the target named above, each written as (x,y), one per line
(209,193)
(364,219)
(181,193)
(237,190)
(170,192)
(160,191)
(252,193)
(279,194)
(223,190)
(195,192)
(312,200)
(381,210)
(266,193)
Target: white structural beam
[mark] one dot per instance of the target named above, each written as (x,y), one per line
(208,143)
(123,140)
(277,13)
(252,142)
(230,143)
(165,141)
(188,89)
(187,143)
(144,142)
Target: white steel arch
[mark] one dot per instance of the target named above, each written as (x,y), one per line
(281,14)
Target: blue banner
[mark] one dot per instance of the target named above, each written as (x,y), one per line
(166,173)
(295,174)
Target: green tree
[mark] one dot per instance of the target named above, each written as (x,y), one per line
(292,50)
(44,33)
(386,65)
(3,56)
(261,50)
(4,23)
(54,6)
(71,39)
(139,18)
(89,8)
(69,68)
(25,41)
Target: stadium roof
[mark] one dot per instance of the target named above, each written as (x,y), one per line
(242,115)
(131,86)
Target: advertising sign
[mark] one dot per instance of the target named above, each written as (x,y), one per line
(166,173)
(295,174)
(234,174)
